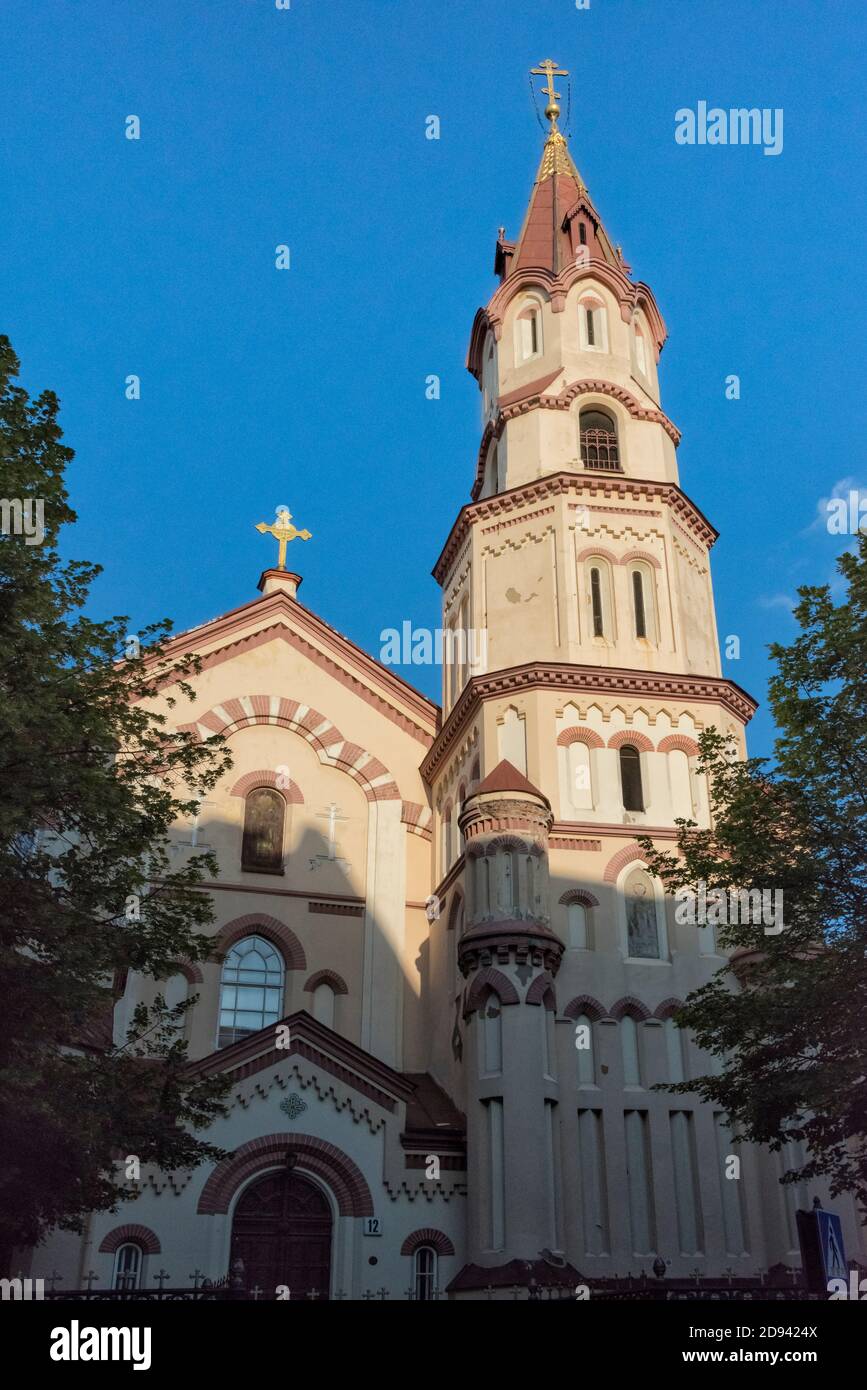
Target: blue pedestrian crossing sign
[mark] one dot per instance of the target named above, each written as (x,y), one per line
(831,1246)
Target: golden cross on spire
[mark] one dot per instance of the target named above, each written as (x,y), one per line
(548,68)
(283,531)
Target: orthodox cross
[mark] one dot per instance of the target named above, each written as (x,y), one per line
(548,68)
(383,1293)
(283,531)
(332,816)
(195,1276)
(161,1278)
(89,1279)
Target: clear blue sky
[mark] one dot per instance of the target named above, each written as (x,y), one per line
(306,127)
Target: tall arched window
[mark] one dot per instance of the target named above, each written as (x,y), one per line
(592,324)
(598,434)
(674,1040)
(491,1049)
(251,989)
(127,1267)
(577,926)
(424,1265)
(643,602)
(596,601)
(638,605)
(175,990)
(323,1004)
(264,818)
(629,1051)
(600,620)
(585,1051)
(447,839)
(528,333)
(641,357)
(630,778)
(642,927)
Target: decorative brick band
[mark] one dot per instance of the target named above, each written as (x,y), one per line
(579,895)
(667,1008)
(332,909)
(619,861)
(580,735)
(632,736)
(416,818)
(326,1161)
(267,777)
(590,552)
(427,1236)
(332,748)
(630,1007)
(490,979)
(644,555)
(260,924)
(327,977)
(542,991)
(680,742)
(587,1005)
(135,1235)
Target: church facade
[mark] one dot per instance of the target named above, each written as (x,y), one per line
(443,980)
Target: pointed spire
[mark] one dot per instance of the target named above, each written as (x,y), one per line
(561,217)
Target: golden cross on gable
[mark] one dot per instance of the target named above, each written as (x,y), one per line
(548,68)
(283,531)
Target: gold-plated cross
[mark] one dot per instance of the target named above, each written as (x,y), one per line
(283,531)
(548,68)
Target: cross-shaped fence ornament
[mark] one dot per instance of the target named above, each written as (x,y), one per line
(313,1293)
(368,1294)
(54,1278)
(383,1293)
(196,1276)
(410,1294)
(255,1293)
(341,1293)
(89,1279)
(161,1278)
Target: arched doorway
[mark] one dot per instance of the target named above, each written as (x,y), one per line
(282,1232)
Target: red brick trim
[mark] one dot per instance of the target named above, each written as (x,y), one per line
(427,1236)
(630,1007)
(511,842)
(332,748)
(327,1162)
(260,924)
(580,735)
(489,978)
(267,777)
(591,551)
(455,908)
(541,990)
(618,861)
(667,1008)
(416,818)
(190,971)
(579,895)
(644,555)
(678,741)
(632,736)
(327,977)
(135,1235)
(587,1005)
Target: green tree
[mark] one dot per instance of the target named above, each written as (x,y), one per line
(793,1031)
(91,780)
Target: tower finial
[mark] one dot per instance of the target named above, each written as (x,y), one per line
(549,69)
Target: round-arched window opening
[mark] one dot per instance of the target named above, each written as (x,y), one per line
(599,449)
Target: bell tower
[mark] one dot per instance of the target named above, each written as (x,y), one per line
(581,664)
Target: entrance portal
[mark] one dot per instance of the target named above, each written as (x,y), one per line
(282,1232)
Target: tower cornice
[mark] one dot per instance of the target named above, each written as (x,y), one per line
(556,484)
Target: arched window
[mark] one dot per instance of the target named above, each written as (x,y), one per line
(251,989)
(592,324)
(447,839)
(674,1051)
(424,1270)
(264,818)
(598,432)
(643,602)
(638,607)
(323,1004)
(127,1267)
(482,906)
(642,927)
(630,778)
(599,591)
(577,926)
(680,783)
(175,990)
(641,356)
(629,1051)
(585,1051)
(491,1049)
(528,335)
(549,1047)
(596,602)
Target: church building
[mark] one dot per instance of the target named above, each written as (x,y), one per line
(443,979)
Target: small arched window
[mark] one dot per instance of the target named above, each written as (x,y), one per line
(264,819)
(127,1267)
(674,1051)
(641,358)
(629,1051)
(585,1051)
(592,324)
(598,596)
(175,991)
(578,927)
(251,989)
(323,1004)
(630,778)
(638,604)
(491,1050)
(528,338)
(447,839)
(596,602)
(642,926)
(598,432)
(424,1266)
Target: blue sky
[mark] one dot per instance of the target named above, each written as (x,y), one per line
(306,127)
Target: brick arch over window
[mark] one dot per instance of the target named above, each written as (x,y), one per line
(327,977)
(335,1168)
(457,905)
(486,979)
(580,735)
(542,985)
(667,1008)
(679,742)
(591,552)
(630,854)
(578,895)
(511,842)
(630,1007)
(260,924)
(135,1235)
(416,818)
(644,555)
(587,1005)
(617,393)
(638,740)
(332,748)
(437,1240)
(189,969)
(267,777)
